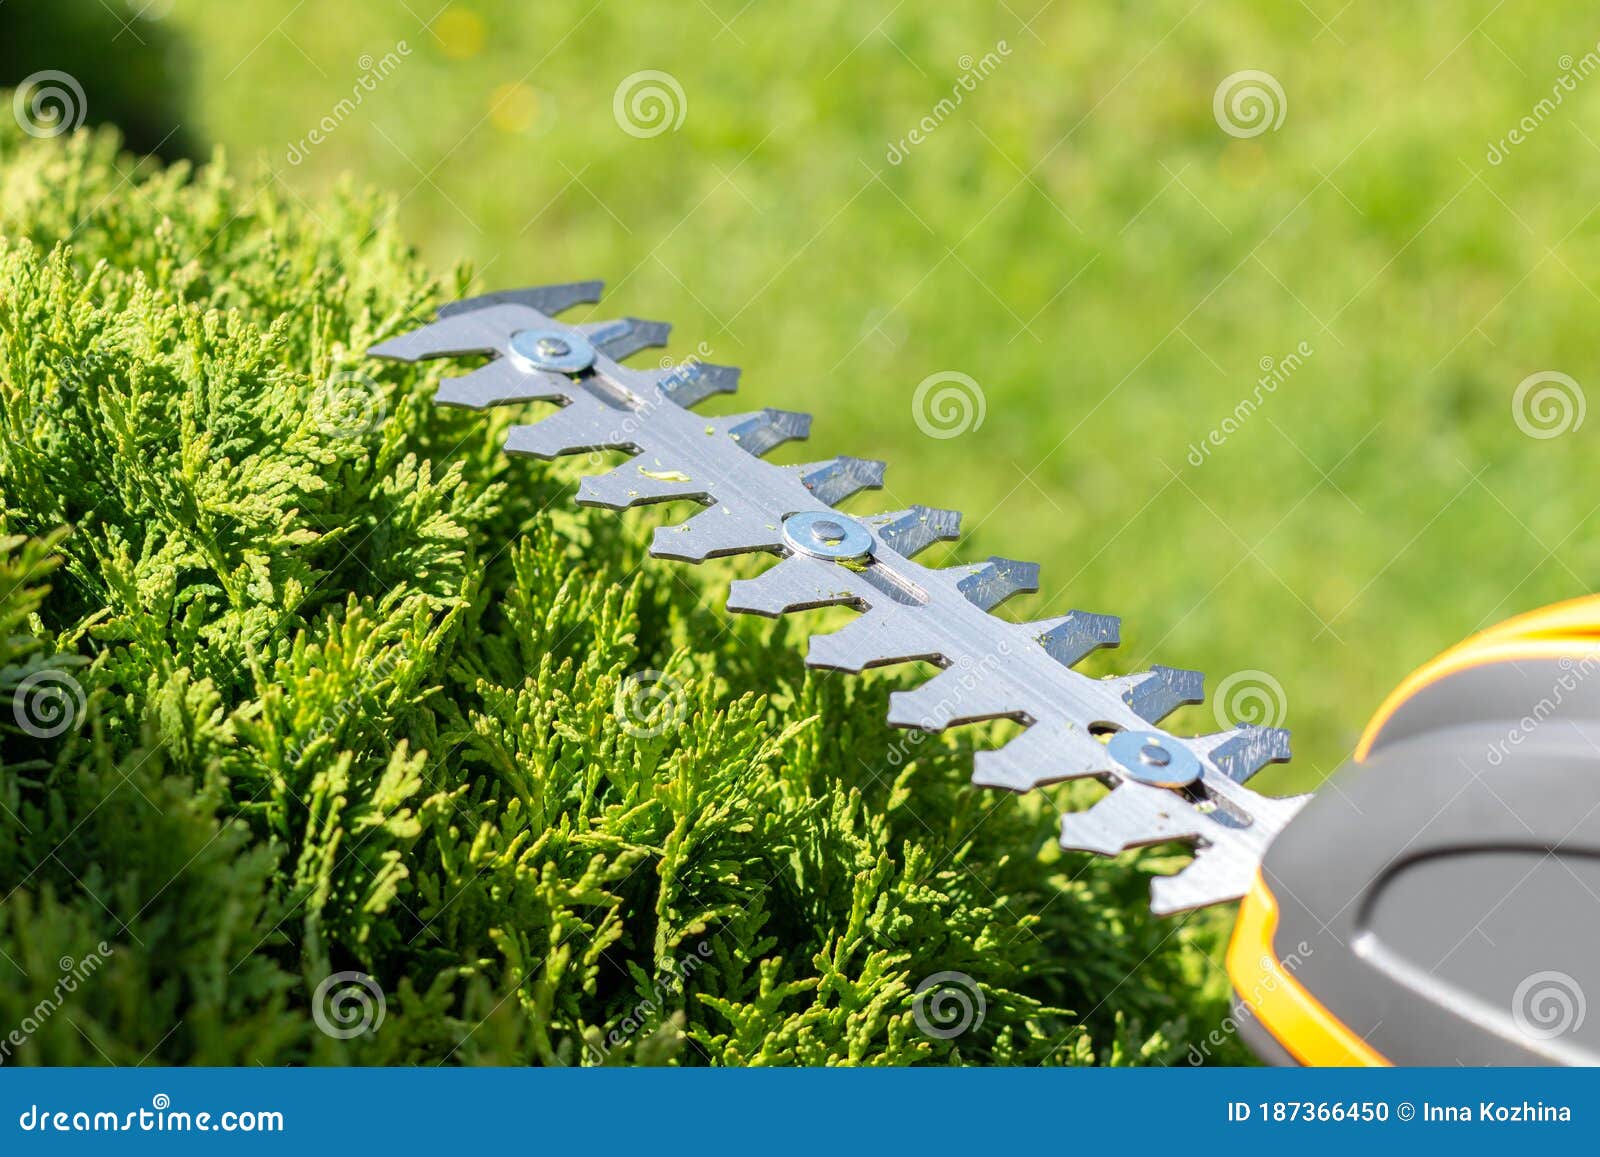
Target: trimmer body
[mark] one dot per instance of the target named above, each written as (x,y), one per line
(1438,903)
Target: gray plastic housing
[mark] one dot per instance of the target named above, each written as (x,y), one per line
(1442,898)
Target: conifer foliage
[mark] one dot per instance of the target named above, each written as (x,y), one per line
(329,735)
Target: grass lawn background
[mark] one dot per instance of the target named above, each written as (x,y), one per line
(1082,239)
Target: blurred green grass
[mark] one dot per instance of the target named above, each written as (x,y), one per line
(1081,238)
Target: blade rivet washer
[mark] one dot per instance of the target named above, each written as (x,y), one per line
(828,535)
(533,350)
(1152,758)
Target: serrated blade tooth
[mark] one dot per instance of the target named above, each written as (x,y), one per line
(637,483)
(477,331)
(1216,875)
(1158,692)
(716,532)
(988,584)
(1133,814)
(908,532)
(1068,639)
(1245,750)
(954,696)
(838,478)
(795,584)
(1042,754)
(878,638)
(547,299)
(763,430)
(584,425)
(691,383)
(501,383)
(626,336)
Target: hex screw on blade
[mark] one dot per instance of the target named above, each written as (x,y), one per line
(564,353)
(1153,758)
(827,534)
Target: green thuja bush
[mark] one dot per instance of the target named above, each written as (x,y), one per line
(316,704)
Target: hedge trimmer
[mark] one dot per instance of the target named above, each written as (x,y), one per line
(1323,887)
